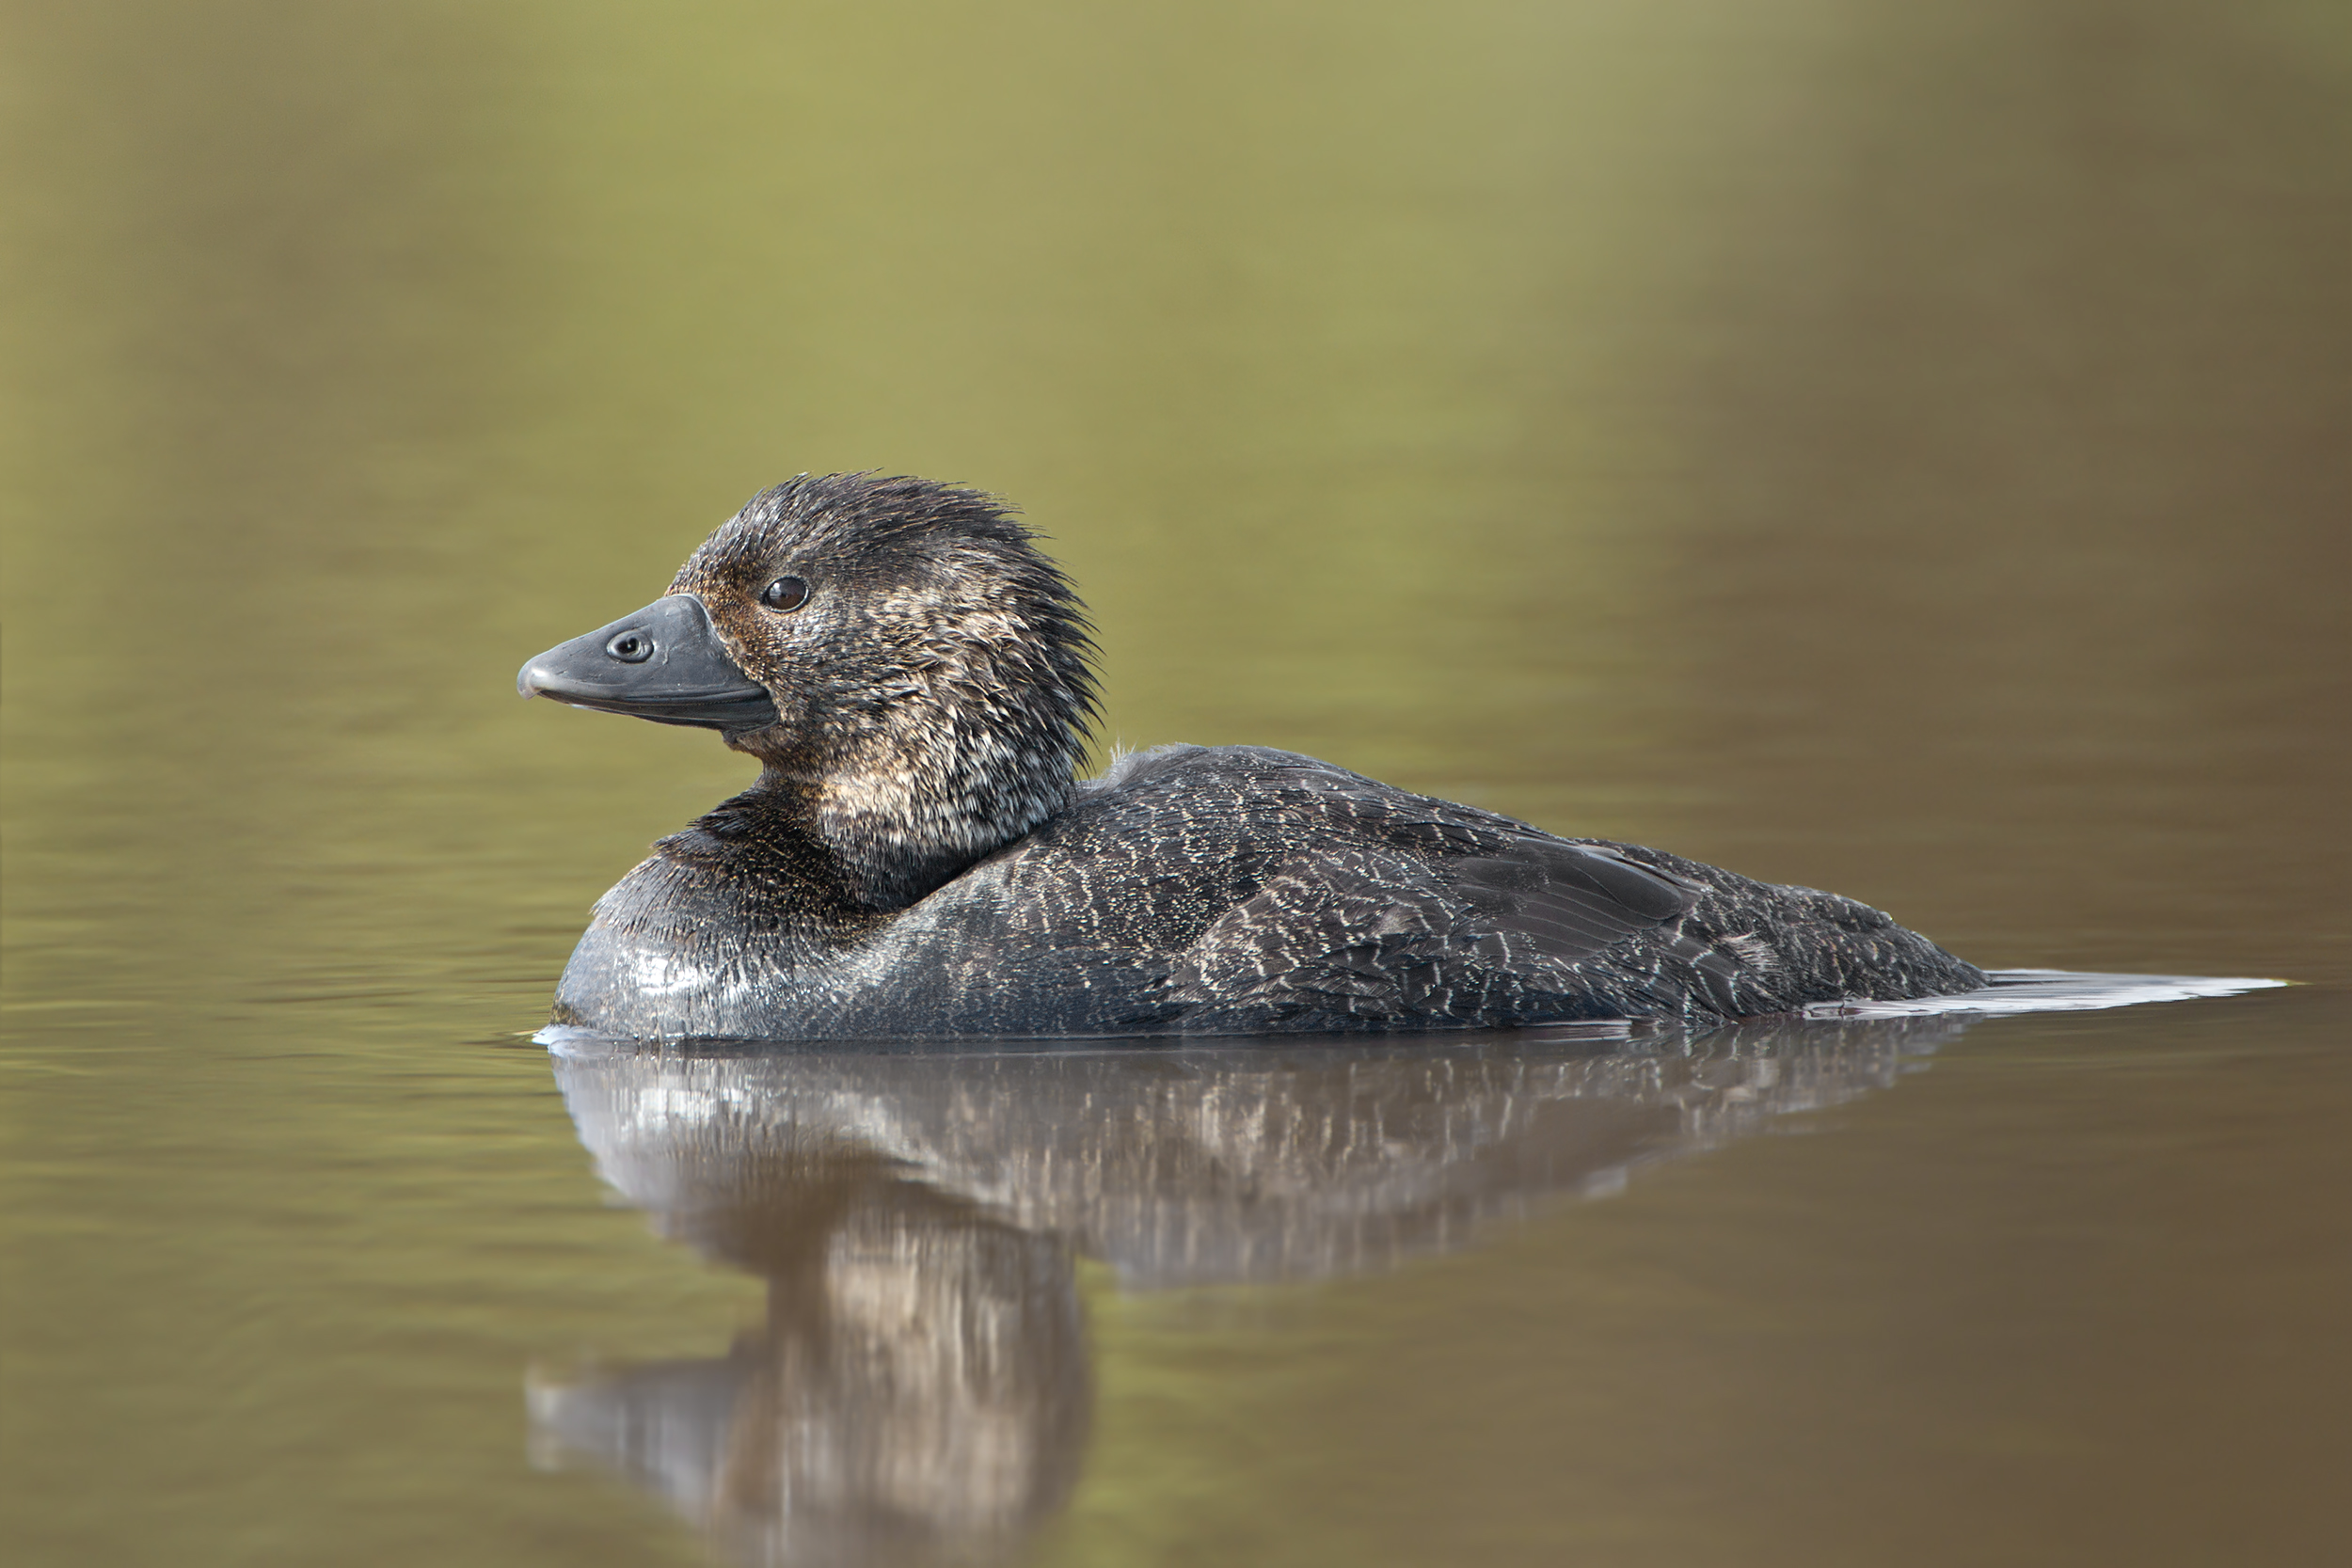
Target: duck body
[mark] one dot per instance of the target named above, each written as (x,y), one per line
(1224,891)
(917,860)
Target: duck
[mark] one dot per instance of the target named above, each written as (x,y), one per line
(921,857)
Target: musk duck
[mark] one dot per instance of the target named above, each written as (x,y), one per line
(919,856)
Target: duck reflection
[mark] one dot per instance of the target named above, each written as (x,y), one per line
(920,1387)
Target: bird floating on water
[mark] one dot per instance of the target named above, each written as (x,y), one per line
(920,857)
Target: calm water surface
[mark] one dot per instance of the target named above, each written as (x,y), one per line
(1899,448)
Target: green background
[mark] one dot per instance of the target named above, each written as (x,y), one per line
(1894,448)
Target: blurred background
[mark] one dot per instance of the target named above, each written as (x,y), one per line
(1898,448)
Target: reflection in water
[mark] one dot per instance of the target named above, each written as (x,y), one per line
(921,1389)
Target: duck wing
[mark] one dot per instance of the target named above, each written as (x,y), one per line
(1568,900)
(1379,929)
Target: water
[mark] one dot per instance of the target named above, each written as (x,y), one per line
(1896,449)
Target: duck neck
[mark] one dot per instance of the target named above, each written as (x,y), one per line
(896,822)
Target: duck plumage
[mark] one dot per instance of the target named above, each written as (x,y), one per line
(919,859)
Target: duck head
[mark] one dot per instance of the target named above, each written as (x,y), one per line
(910,671)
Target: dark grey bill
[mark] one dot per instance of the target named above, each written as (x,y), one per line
(664,663)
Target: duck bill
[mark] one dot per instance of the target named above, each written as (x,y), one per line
(664,663)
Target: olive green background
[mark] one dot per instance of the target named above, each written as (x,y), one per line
(1898,448)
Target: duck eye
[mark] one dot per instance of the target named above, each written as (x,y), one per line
(784,594)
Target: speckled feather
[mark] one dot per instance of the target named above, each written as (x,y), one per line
(916,860)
